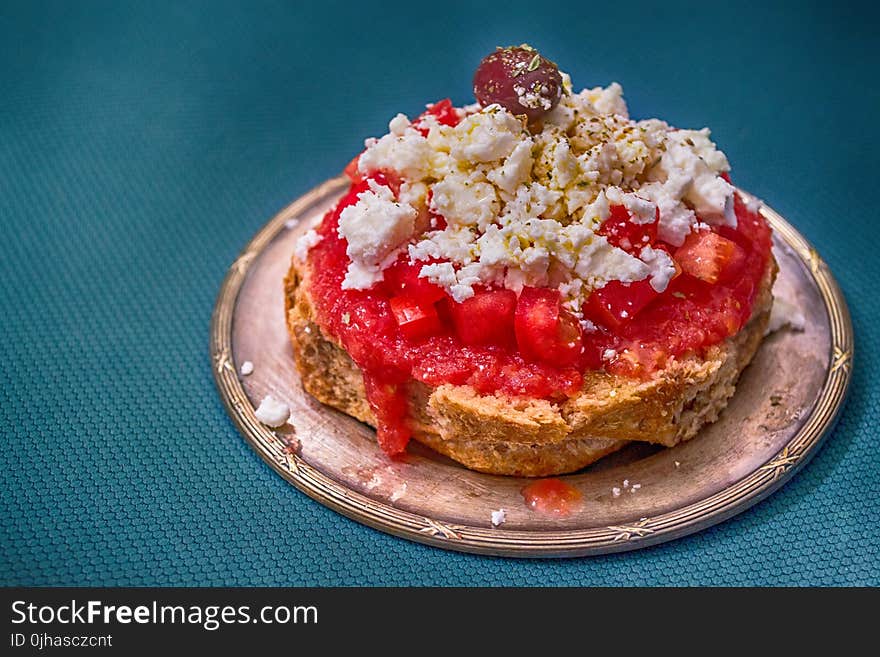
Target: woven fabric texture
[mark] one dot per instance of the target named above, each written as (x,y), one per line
(143,144)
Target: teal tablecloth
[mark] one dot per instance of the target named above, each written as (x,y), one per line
(143,144)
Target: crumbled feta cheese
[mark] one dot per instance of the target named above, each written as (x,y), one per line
(642,210)
(398,492)
(598,262)
(272,412)
(523,209)
(459,284)
(609,354)
(374,227)
(488,135)
(689,169)
(615,491)
(247,368)
(465,201)
(516,170)
(609,100)
(361,277)
(754,204)
(441,273)
(306,242)
(398,125)
(408,153)
(413,193)
(498,517)
(662,267)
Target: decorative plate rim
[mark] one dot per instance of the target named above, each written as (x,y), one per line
(642,532)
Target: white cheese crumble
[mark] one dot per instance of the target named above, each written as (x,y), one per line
(398,492)
(522,208)
(272,412)
(662,267)
(306,242)
(374,228)
(498,517)
(247,368)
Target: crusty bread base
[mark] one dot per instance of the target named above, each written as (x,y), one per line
(535,437)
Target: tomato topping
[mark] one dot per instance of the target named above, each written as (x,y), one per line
(623,233)
(710,257)
(544,330)
(617,303)
(402,278)
(416,337)
(485,318)
(442,111)
(416,320)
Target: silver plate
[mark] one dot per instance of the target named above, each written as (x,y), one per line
(786,402)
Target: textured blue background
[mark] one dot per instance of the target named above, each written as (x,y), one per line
(142,145)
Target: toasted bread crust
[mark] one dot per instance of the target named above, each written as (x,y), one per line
(535,437)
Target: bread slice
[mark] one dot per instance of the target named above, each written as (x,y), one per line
(535,437)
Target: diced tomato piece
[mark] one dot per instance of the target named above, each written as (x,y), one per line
(544,330)
(735,236)
(443,111)
(402,278)
(595,344)
(617,303)
(710,257)
(485,318)
(623,233)
(388,178)
(351,169)
(416,320)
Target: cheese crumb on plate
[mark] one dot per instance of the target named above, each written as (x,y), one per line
(271,412)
